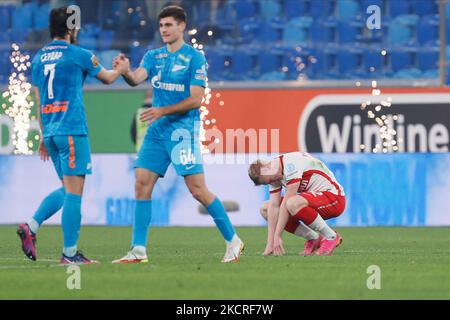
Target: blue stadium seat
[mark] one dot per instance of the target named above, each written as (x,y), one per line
(396,8)
(296,61)
(410,73)
(296,8)
(322,8)
(136,55)
(323,31)
(401,29)
(322,64)
(249,28)
(242,63)
(350,31)
(373,60)
(428,58)
(87,41)
(296,31)
(428,30)
(270,9)
(349,61)
(40,16)
(5,17)
(272,30)
(423,8)
(245,9)
(219,60)
(4,41)
(348,9)
(22,17)
(270,60)
(224,19)
(401,59)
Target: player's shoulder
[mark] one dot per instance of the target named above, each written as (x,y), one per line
(156,53)
(195,53)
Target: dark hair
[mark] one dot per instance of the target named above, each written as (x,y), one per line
(175,12)
(58,22)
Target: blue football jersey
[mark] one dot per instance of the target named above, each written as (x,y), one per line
(59,70)
(172,75)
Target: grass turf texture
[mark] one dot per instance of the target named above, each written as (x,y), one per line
(185,264)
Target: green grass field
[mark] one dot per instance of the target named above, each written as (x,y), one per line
(185,264)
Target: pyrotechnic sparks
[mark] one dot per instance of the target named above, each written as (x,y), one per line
(20,102)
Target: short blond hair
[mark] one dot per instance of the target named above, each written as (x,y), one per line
(254,171)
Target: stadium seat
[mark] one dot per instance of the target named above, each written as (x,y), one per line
(428,58)
(322,63)
(22,17)
(40,16)
(396,8)
(242,63)
(296,31)
(423,8)
(136,55)
(249,29)
(4,41)
(322,8)
(272,30)
(350,31)
(270,60)
(428,30)
(349,61)
(5,17)
(373,60)
(296,8)
(348,9)
(106,57)
(410,73)
(401,29)
(296,61)
(87,41)
(323,31)
(401,59)
(270,9)
(245,9)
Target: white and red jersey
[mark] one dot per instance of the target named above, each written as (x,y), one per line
(313,174)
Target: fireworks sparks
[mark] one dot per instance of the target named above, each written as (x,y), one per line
(20,102)
(207,97)
(387,133)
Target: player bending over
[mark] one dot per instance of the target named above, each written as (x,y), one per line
(58,71)
(312,195)
(178,76)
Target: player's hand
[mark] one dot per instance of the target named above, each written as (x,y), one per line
(269,250)
(278,249)
(151,115)
(121,64)
(43,152)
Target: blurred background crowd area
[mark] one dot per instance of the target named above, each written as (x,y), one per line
(253,40)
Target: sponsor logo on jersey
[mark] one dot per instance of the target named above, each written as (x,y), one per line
(184,58)
(161,56)
(178,67)
(336,123)
(157,84)
(51,56)
(55,107)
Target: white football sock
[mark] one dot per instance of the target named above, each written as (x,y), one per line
(306,232)
(234,241)
(321,226)
(34,226)
(70,251)
(141,250)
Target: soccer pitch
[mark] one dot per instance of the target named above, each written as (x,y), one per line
(185,264)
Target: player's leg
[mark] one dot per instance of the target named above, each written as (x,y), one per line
(75,165)
(48,207)
(296,227)
(305,207)
(151,164)
(197,186)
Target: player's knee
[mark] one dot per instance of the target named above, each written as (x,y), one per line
(142,189)
(264,209)
(295,204)
(198,193)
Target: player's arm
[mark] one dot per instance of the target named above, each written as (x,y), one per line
(43,152)
(272,218)
(108,76)
(283,218)
(192,102)
(136,77)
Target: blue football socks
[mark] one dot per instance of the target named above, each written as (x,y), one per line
(217,211)
(71,221)
(142,218)
(49,206)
